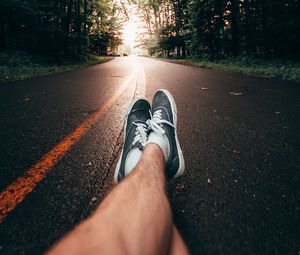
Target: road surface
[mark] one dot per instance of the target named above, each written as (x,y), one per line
(240,138)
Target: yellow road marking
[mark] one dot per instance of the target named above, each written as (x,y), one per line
(15,193)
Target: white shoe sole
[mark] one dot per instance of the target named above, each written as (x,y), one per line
(180,154)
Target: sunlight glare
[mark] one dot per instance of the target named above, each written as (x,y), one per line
(130,33)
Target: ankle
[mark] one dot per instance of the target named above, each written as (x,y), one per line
(154,148)
(162,142)
(152,166)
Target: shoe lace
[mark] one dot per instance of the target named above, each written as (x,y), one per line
(156,122)
(140,134)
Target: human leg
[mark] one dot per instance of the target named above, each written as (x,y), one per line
(177,246)
(135,218)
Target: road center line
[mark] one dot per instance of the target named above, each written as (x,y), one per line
(15,193)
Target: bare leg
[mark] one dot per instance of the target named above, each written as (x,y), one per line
(178,246)
(135,218)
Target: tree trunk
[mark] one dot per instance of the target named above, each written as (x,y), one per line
(84,17)
(248,29)
(219,26)
(183,50)
(78,29)
(67,27)
(234,27)
(263,6)
(3,25)
(10,42)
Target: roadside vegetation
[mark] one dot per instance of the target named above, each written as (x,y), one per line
(279,69)
(21,65)
(43,37)
(248,36)
(253,37)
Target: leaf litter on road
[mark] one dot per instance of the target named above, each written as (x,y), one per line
(235,93)
(236,152)
(180,186)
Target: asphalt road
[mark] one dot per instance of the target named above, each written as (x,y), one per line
(240,138)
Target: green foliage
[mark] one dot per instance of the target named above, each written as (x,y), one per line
(167,38)
(265,29)
(285,70)
(22,65)
(55,28)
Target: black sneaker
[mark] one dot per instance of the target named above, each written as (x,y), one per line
(164,121)
(135,133)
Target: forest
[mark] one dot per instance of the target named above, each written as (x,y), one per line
(258,28)
(178,28)
(66,28)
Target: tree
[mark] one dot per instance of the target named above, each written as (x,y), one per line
(234,10)
(161,15)
(58,27)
